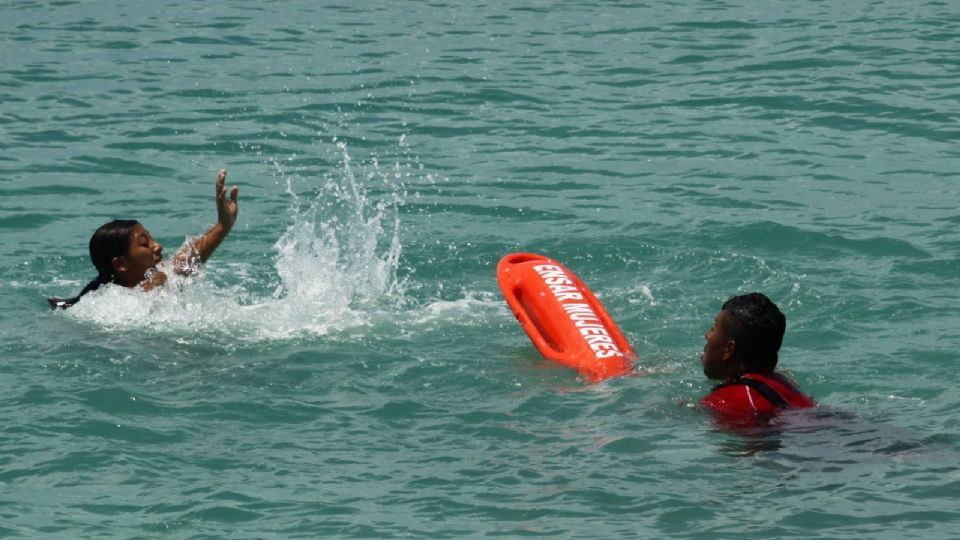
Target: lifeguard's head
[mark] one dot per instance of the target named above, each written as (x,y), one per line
(745,337)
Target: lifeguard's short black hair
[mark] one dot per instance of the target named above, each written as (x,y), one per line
(757,325)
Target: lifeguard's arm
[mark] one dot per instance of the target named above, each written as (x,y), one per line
(208,243)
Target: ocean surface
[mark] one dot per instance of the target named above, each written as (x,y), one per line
(345,366)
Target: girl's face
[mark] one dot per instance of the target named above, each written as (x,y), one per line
(143,254)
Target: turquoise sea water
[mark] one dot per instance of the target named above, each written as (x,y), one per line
(346,366)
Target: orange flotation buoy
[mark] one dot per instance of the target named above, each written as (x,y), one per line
(563,318)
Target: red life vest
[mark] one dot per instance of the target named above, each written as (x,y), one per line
(757,393)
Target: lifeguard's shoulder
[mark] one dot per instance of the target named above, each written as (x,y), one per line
(757,393)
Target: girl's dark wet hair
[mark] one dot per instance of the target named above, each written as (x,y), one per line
(109,241)
(757,325)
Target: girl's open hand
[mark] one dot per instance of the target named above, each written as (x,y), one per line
(226,208)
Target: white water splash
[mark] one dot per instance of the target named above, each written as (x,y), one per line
(336,262)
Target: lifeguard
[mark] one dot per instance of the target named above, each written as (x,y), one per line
(742,351)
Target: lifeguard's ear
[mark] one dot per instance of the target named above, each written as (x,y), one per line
(729,349)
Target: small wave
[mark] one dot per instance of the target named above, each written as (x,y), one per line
(472,307)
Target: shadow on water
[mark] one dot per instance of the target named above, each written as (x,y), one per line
(826,436)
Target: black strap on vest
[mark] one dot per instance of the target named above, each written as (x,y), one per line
(763,389)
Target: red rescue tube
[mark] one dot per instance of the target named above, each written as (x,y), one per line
(563,318)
